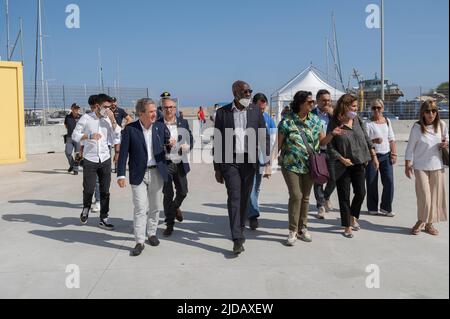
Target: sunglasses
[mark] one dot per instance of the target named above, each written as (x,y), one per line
(376,108)
(247,92)
(431,111)
(169,108)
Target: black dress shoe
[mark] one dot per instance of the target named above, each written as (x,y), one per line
(154,241)
(254,224)
(137,251)
(168,232)
(70,170)
(179,216)
(238,247)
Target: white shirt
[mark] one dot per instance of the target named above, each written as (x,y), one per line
(240,125)
(383,131)
(423,149)
(148,135)
(97,151)
(173,156)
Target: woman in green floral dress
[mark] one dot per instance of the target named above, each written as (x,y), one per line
(294,160)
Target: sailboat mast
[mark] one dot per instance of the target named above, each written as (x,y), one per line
(41,54)
(8,53)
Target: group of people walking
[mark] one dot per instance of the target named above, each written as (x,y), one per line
(157,146)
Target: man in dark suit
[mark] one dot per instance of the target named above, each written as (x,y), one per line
(145,142)
(177,164)
(240,132)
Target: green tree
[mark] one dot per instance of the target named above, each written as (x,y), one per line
(443,89)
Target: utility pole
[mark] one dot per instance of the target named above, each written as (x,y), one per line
(382,51)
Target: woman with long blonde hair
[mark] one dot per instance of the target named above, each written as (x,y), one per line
(424,161)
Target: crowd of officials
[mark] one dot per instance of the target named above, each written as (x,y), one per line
(155,149)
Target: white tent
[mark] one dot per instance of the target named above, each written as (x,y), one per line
(308,80)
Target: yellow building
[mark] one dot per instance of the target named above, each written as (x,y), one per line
(12,122)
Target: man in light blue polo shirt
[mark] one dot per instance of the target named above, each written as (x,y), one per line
(324,111)
(261,101)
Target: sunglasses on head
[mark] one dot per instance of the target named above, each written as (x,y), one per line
(433,111)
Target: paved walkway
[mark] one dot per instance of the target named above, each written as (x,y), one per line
(40,236)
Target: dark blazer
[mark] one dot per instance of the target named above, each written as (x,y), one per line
(183,124)
(133,145)
(225,120)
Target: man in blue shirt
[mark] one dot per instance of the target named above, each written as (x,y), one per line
(324,111)
(254,212)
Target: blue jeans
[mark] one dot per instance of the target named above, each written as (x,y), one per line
(387,179)
(253,211)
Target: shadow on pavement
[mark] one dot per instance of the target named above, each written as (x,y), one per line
(83,237)
(47,203)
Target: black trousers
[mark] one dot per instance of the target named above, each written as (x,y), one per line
(178,177)
(91,171)
(356,177)
(239,180)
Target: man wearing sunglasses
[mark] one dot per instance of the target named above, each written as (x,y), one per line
(177,164)
(240,132)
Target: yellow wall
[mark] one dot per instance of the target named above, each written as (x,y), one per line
(12,122)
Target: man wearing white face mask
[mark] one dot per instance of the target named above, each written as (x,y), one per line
(98,130)
(240,133)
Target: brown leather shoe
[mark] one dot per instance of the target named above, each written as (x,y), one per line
(179,216)
(153,241)
(168,232)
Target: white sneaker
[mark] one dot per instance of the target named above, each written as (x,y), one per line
(328,206)
(321,214)
(305,236)
(292,239)
(95,208)
(387,214)
(373,213)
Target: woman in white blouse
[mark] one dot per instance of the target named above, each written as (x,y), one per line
(382,135)
(424,161)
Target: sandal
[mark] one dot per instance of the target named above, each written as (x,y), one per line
(356,226)
(429,229)
(417,229)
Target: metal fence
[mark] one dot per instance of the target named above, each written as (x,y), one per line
(405,108)
(51,104)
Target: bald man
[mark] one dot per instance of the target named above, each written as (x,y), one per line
(240,132)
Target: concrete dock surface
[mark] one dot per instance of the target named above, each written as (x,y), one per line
(41,238)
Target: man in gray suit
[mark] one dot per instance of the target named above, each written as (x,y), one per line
(240,132)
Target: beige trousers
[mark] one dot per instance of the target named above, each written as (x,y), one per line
(431,198)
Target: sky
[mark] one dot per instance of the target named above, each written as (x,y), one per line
(196,49)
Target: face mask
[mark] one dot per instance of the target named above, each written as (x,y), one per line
(352,115)
(245,102)
(103,112)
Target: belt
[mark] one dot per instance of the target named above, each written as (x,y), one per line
(152,167)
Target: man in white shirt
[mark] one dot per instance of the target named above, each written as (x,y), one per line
(98,130)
